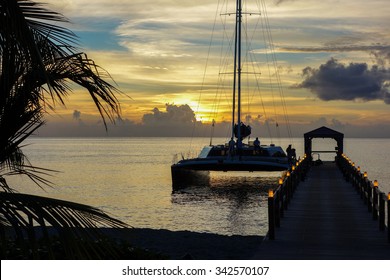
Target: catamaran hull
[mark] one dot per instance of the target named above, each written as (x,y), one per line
(182,178)
(231,165)
(196,171)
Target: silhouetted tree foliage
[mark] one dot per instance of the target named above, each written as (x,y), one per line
(38,64)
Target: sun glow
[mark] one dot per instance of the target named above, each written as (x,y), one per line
(202,111)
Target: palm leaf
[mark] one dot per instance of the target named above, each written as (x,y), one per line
(28,26)
(37,57)
(38,60)
(76,226)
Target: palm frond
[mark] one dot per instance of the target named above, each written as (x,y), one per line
(28,22)
(38,59)
(83,71)
(75,226)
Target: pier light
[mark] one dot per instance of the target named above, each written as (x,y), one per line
(365,174)
(353,164)
(376,183)
(297,163)
(288,174)
(388,196)
(270,193)
(293,167)
(280,181)
(358,169)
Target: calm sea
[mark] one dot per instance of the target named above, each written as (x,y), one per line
(130,179)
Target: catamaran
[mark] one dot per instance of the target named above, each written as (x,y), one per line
(236,155)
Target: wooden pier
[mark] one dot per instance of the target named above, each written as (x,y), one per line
(326,211)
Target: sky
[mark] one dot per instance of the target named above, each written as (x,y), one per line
(333,66)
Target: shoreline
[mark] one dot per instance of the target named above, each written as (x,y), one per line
(178,245)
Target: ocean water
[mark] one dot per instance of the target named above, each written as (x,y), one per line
(130,179)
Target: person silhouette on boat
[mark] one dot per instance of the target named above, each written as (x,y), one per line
(232,143)
(256,144)
(289,153)
(293,155)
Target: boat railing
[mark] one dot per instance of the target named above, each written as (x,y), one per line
(182,156)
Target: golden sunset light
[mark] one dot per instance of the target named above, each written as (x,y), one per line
(237,134)
(157,54)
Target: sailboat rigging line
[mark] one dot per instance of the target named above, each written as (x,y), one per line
(257,71)
(224,64)
(241,66)
(257,77)
(250,59)
(204,73)
(238,52)
(235,155)
(267,47)
(281,92)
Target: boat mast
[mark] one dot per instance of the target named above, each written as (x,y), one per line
(237,74)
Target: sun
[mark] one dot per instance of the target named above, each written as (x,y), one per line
(203,112)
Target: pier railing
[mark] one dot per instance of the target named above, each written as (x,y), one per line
(374,199)
(280,197)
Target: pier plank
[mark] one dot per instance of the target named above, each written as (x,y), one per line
(326,219)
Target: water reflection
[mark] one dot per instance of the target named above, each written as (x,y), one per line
(230,204)
(236,188)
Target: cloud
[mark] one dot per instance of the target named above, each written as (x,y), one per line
(182,114)
(382,57)
(377,49)
(278,2)
(76,115)
(163,125)
(336,81)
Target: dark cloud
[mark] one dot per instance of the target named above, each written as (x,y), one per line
(76,115)
(340,47)
(382,57)
(336,81)
(127,128)
(182,114)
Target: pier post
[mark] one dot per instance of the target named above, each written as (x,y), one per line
(382,201)
(388,217)
(362,187)
(358,175)
(375,201)
(271,215)
(288,189)
(277,199)
(365,186)
(282,190)
(369,196)
(293,180)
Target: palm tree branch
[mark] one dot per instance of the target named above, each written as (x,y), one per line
(57,213)
(83,71)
